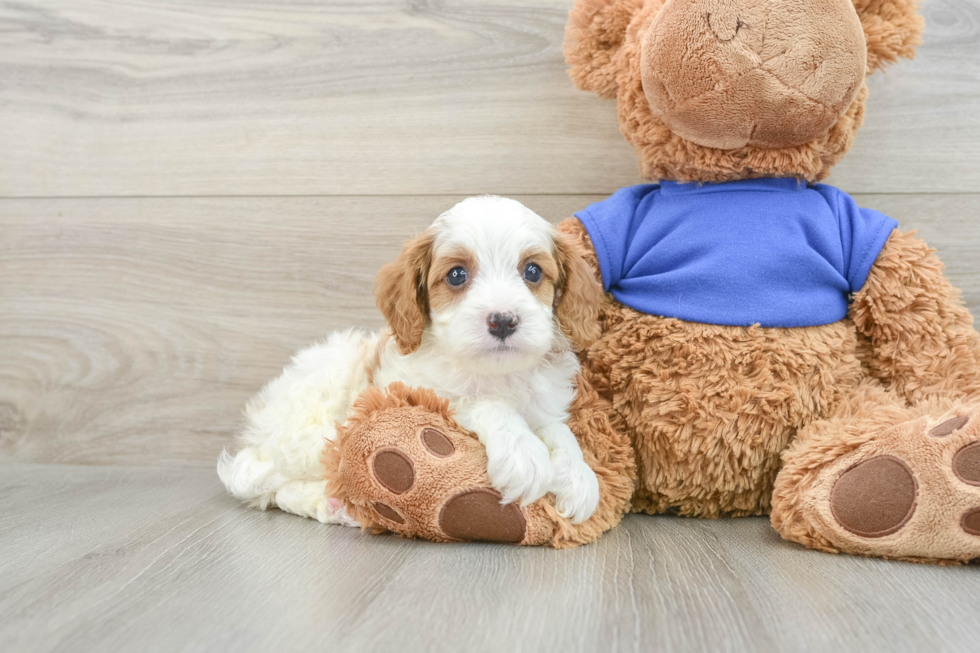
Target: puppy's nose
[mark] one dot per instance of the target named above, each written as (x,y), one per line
(501,325)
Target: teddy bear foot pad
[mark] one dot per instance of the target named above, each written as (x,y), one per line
(402,464)
(914,493)
(425,506)
(471,515)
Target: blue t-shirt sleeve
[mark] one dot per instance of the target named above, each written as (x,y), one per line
(609,224)
(863,232)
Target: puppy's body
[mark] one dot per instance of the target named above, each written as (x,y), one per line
(482,308)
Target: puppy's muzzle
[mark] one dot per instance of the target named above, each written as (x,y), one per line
(502,325)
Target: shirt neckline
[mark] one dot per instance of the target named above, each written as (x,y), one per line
(774,184)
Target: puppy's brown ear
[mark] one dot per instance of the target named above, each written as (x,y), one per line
(578,295)
(400,292)
(892,29)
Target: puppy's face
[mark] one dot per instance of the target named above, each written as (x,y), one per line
(492,285)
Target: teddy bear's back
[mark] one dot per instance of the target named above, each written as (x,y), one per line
(710,408)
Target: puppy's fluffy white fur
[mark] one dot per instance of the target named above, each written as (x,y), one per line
(513,392)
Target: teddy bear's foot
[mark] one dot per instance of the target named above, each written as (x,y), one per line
(402,464)
(910,491)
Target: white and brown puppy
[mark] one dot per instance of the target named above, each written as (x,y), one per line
(485,308)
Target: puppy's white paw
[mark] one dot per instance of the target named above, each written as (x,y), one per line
(576,489)
(519,468)
(332,511)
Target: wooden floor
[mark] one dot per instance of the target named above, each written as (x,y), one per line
(160,559)
(190,190)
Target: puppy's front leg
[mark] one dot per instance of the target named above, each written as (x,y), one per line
(518,463)
(576,487)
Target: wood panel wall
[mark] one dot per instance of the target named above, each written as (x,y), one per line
(190,190)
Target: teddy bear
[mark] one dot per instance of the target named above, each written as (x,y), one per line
(767,346)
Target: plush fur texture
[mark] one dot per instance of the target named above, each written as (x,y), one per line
(394,417)
(921,357)
(726,74)
(486,260)
(710,421)
(711,408)
(872,422)
(604,43)
(729,421)
(921,340)
(741,421)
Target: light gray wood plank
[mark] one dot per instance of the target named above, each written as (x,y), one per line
(922,116)
(274,97)
(298,97)
(133,331)
(145,324)
(157,559)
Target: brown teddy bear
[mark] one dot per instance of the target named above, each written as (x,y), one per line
(767,346)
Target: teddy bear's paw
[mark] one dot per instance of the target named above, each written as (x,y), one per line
(434,485)
(479,516)
(405,465)
(912,492)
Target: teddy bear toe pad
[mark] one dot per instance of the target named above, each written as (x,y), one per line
(966,464)
(875,497)
(477,515)
(403,464)
(472,515)
(394,470)
(913,492)
(437,443)
(945,428)
(971,522)
(387,512)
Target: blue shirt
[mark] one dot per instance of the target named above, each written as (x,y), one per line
(775,252)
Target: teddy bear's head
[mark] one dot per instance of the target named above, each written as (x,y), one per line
(716,90)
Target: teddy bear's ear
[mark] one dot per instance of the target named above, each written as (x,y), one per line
(593,36)
(892,29)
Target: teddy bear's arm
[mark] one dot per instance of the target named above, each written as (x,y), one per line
(921,335)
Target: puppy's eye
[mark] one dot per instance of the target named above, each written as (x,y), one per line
(456,276)
(532,273)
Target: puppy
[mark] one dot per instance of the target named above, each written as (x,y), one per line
(485,308)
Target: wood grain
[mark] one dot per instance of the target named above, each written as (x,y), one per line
(134,330)
(194,167)
(150,559)
(305,97)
